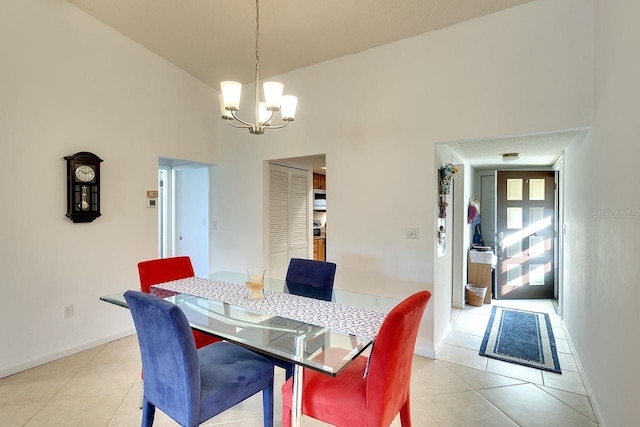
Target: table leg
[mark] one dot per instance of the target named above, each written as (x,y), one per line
(296,396)
(296,386)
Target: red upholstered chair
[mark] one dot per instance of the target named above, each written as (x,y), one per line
(162,270)
(353,399)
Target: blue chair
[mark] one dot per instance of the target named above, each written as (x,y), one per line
(192,385)
(311,278)
(308,278)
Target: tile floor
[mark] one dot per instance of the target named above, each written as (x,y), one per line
(101,387)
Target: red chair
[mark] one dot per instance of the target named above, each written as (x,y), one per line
(353,399)
(162,270)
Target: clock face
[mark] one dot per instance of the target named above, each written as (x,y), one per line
(85,173)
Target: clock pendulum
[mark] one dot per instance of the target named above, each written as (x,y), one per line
(84,205)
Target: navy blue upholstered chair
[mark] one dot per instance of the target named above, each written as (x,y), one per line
(192,385)
(311,278)
(308,278)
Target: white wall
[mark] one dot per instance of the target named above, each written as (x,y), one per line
(601,293)
(67,84)
(378,114)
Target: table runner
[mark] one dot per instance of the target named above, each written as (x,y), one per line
(351,320)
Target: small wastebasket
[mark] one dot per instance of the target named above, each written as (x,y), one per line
(475,295)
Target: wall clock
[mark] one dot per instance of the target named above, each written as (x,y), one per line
(83,186)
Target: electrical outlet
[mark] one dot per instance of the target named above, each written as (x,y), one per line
(412,233)
(67,311)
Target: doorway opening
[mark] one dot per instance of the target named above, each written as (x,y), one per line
(296,186)
(183,212)
(482,158)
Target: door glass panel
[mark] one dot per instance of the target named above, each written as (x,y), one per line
(536,189)
(514,189)
(536,215)
(536,246)
(536,274)
(515,249)
(514,218)
(514,275)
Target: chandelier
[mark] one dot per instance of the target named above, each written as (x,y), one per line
(264,111)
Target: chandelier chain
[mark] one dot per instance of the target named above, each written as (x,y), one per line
(257,35)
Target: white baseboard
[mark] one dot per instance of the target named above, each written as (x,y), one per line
(425,352)
(439,345)
(41,360)
(585,380)
(432,353)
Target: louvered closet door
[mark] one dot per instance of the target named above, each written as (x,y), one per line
(288,217)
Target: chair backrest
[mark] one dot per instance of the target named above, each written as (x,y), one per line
(311,278)
(390,362)
(162,270)
(169,356)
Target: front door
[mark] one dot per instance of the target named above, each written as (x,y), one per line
(525,221)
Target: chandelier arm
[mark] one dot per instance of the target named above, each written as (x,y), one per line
(238,126)
(286,123)
(240,120)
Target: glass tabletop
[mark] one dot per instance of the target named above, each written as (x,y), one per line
(290,340)
(340,296)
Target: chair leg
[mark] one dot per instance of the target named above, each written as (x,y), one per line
(286,416)
(405,414)
(148,413)
(141,389)
(267,406)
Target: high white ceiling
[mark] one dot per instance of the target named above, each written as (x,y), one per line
(214,40)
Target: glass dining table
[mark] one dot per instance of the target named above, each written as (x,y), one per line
(282,325)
